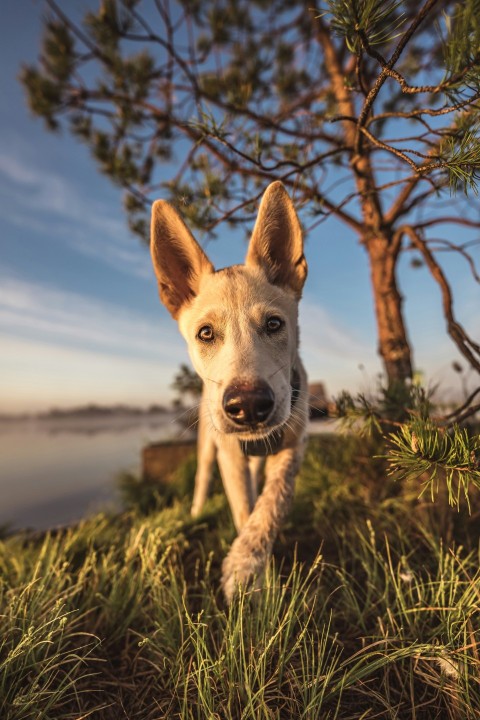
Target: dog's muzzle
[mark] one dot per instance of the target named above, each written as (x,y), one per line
(248,404)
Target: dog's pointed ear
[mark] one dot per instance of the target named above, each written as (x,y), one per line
(277,241)
(178,260)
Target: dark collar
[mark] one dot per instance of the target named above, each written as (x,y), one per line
(274,443)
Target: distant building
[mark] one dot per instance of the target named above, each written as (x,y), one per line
(318,401)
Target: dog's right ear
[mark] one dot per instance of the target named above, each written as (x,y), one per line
(178,259)
(277,243)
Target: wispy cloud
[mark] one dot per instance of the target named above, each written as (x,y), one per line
(61,348)
(344,359)
(36,375)
(332,352)
(71,319)
(45,201)
(322,330)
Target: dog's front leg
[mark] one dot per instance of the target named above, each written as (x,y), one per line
(233,466)
(251,549)
(255,465)
(206,458)
(206,451)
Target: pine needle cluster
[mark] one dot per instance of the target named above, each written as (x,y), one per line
(422,447)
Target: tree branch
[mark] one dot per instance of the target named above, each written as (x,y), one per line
(460,249)
(364,176)
(455,414)
(367,106)
(468,348)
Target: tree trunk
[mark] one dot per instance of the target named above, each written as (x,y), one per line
(393,345)
(381,248)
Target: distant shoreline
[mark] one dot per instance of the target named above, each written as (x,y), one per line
(90,412)
(90,424)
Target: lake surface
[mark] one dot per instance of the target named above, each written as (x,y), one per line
(54,472)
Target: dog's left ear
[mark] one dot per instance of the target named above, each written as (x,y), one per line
(277,241)
(178,260)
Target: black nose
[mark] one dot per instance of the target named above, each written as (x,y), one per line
(248,404)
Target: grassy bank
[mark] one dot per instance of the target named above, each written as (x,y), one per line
(370,607)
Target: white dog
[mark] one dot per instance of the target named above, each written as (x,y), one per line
(241,328)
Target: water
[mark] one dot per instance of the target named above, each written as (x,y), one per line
(53,472)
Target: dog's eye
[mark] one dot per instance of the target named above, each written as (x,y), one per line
(205,334)
(274,324)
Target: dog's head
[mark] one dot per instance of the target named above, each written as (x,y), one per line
(240,323)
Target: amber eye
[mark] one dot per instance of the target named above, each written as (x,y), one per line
(274,324)
(205,334)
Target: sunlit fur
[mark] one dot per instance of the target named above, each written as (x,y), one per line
(235,303)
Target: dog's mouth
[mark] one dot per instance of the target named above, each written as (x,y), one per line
(262,431)
(259,440)
(262,441)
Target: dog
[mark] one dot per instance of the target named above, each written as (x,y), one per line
(241,327)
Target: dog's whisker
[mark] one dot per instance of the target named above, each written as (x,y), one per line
(178,416)
(282,367)
(215,382)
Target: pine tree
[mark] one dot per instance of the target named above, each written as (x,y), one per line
(367,110)
(187,382)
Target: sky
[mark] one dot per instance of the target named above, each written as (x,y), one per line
(80,319)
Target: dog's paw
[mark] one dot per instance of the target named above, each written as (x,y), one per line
(242,566)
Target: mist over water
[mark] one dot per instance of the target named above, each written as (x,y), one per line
(53,472)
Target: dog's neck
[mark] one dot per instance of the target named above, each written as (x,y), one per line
(274,443)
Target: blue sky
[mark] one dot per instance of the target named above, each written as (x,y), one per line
(80,319)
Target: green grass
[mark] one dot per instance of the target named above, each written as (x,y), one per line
(370,607)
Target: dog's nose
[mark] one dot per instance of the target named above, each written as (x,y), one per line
(248,404)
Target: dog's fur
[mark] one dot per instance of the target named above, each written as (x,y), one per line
(243,355)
